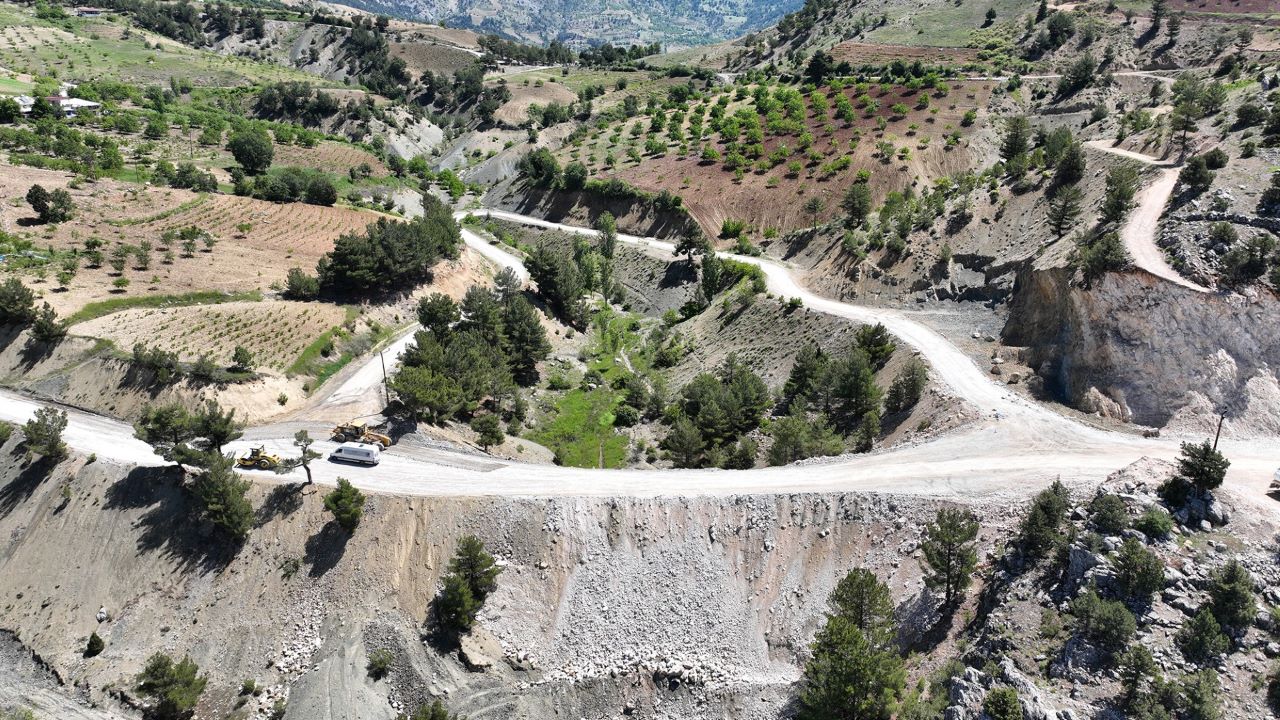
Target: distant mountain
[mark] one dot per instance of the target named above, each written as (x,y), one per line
(579,23)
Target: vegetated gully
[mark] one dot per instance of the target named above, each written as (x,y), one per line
(1016,447)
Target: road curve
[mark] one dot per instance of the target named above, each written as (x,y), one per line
(1017,447)
(1139,232)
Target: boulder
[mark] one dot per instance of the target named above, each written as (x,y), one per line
(479,650)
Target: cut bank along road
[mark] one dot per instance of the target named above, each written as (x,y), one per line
(1017,447)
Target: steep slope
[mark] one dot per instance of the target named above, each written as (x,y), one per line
(673,23)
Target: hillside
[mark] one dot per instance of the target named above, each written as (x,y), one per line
(670,23)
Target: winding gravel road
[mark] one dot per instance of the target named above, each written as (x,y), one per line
(1017,446)
(1139,231)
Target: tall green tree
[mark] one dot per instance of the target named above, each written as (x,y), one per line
(856,671)
(438,313)
(949,550)
(253,150)
(471,578)
(221,492)
(1122,186)
(1064,209)
(525,339)
(167,428)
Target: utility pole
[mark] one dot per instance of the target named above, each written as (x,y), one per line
(386,393)
(1221,417)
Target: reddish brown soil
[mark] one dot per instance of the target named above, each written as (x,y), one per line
(713,195)
(858,53)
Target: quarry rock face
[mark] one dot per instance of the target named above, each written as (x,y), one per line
(1138,349)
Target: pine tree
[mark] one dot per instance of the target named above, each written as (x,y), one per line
(438,313)
(221,492)
(303,441)
(1064,209)
(471,578)
(948,548)
(856,672)
(1122,186)
(346,503)
(685,444)
(488,430)
(1202,466)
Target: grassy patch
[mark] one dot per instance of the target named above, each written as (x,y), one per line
(335,349)
(579,426)
(209,297)
(582,432)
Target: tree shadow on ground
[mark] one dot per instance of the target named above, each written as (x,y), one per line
(170,526)
(325,549)
(22,487)
(926,623)
(678,274)
(283,501)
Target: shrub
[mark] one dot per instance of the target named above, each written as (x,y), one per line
(1154,523)
(732,228)
(1002,704)
(95,646)
(1106,624)
(1231,596)
(1109,514)
(379,663)
(1216,159)
(346,503)
(174,688)
(17,303)
(1196,176)
(1139,572)
(1041,531)
(1201,639)
(301,286)
(44,433)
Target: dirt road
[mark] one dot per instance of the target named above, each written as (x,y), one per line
(1018,447)
(1139,231)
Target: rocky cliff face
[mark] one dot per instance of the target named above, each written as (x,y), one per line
(702,606)
(1144,350)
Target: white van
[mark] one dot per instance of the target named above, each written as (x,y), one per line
(354,452)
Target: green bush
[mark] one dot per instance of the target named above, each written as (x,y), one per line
(346,503)
(174,688)
(1108,514)
(1139,572)
(95,646)
(379,663)
(1106,624)
(1201,639)
(1002,704)
(1155,523)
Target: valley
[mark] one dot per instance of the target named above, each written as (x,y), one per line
(708,362)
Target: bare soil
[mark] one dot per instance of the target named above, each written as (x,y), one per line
(282,236)
(775,199)
(860,53)
(275,332)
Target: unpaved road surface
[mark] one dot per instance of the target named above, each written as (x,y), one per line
(1017,447)
(1139,231)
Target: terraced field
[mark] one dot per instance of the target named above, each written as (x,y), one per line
(275,332)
